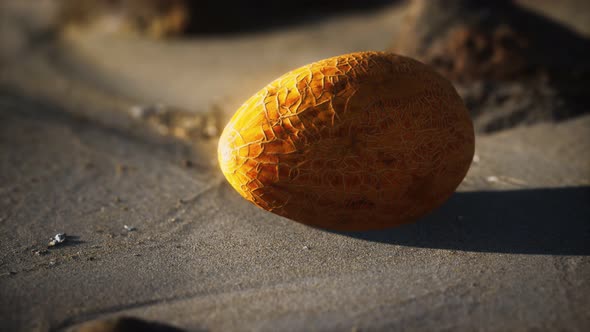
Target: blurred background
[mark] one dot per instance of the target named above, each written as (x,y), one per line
(110,113)
(513,62)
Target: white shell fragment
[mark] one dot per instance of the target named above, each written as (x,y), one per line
(57,239)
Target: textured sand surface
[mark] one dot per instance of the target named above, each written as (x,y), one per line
(510,251)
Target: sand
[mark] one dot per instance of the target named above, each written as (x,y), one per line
(509,251)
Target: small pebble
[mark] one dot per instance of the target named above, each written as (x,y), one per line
(129,228)
(144,111)
(492,179)
(88,165)
(210,131)
(40,252)
(137,111)
(121,168)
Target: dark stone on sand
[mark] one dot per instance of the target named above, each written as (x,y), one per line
(125,324)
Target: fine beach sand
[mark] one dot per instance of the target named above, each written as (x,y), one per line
(509,251)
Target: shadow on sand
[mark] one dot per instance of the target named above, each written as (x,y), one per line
(536,221)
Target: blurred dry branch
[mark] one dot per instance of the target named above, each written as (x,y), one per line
(166,18)
(154,18)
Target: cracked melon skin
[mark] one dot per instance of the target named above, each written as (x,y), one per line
(357,142)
